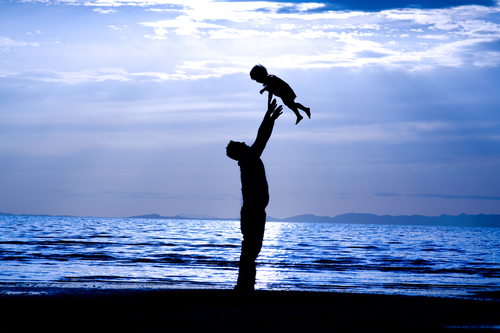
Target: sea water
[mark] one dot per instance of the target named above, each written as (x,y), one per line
(162,253)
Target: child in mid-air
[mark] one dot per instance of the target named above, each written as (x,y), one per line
(276,86)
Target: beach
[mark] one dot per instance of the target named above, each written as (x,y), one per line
(215,310)
(133,275)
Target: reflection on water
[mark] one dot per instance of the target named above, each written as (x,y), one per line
(295,256)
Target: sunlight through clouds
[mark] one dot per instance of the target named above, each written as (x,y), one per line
(409,38)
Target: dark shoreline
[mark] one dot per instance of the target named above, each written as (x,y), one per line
(213,310)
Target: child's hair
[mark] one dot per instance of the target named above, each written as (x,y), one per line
(258,71)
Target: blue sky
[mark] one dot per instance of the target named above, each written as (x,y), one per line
(121,108)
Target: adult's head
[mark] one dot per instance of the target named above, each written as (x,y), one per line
(236,150)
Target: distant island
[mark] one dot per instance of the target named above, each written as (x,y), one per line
(462,220)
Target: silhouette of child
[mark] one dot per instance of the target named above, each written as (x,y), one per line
(276,86)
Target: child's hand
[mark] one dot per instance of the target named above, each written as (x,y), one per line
(262,91)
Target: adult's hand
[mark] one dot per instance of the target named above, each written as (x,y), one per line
(273,111)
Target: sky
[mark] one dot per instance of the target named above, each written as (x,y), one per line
(121,108)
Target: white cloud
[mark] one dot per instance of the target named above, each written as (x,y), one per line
(8,73)
(115,27)
(72,77)
(300,38)
(113,74)
(286,26)
(234,33)
(440,37)
(105,11)
(7,42)
(455,27)
(480,29)
(155,37)
(184,26)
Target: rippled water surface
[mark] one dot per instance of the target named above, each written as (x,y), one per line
(422,260)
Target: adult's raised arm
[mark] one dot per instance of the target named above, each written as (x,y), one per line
(266,127)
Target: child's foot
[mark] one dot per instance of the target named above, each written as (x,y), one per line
(308,112)
(299,118)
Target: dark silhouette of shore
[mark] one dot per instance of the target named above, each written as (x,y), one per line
(90,310)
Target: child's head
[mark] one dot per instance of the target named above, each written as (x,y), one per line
(258,73)
(236,150)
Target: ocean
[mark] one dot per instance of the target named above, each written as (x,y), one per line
(160,253)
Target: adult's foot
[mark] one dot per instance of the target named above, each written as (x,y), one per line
(243,289)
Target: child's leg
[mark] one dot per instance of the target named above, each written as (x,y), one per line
(303,108)
(294,109)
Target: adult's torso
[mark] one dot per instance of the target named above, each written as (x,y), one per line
(254,185)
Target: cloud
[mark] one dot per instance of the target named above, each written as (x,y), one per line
(385,194)
(98,75)
(430,38)
(441,196)
(105,11)
(236,33)
(141,195)
(36,31)
(6,43)
(367,5)
(460,197)
(310,5)
(117,27)
(370,54)
(78,77)
(229,33)
(288,6)
(182,25)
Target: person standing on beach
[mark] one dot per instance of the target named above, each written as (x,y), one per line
(255,193)
(275,85)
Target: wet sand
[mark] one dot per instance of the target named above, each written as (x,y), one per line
(211,310)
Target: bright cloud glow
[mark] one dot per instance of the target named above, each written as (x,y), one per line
(448,31)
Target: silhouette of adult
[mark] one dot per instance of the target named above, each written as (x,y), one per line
(255,193)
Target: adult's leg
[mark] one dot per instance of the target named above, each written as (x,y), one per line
(253,222)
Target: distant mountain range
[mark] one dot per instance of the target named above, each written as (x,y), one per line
(462,220)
